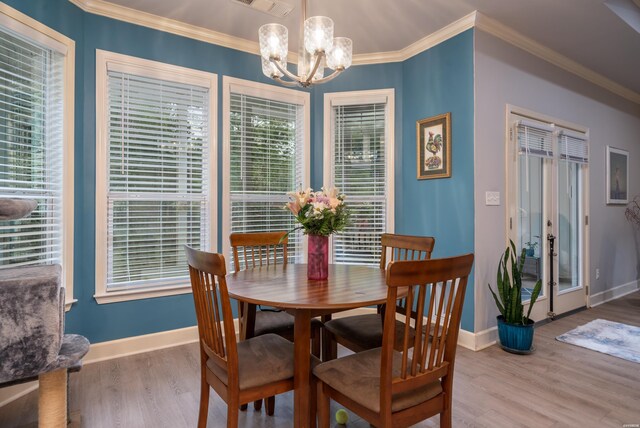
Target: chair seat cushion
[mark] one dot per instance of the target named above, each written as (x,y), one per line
(357,376)
(365,331)
(261,360)
(278,322)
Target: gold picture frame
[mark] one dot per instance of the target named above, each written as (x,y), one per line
(433,144)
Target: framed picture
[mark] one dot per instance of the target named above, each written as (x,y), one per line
(617,176)
(433,141)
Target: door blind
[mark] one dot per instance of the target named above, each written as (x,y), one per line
(534,139)
(573,147)
(158,187)
(267,161)
(359,171)
(31,148)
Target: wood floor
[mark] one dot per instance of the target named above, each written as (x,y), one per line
(560,385)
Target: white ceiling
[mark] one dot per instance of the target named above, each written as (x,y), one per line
(586,31)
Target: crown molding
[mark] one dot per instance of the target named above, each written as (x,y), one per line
(133,16)
(527,44)
(461,25)
(474,19)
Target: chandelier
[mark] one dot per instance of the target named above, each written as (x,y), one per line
(317,49)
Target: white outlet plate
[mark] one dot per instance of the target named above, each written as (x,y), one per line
(492,198)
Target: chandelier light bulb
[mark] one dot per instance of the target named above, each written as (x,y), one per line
(274,41)
(270,70)
(318,34)
(340,55)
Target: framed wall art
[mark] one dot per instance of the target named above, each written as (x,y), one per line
(617,171)
(433,141)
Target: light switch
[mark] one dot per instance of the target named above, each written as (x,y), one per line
(492,198)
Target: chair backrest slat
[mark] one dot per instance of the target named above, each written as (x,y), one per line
(405,247)
(443,282)
(259,248)
(213,309)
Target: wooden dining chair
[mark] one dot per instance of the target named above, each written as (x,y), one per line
(252,250)
(362,332)
(239,372)
(399,388)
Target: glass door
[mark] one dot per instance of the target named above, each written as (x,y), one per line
(547,174)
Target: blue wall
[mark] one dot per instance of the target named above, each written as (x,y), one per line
(437,81)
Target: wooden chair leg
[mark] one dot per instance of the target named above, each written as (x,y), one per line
(323,407)
(315,343)
(204,403)
(233,412)
(270,406)
(313,398)
(329,346)
(445,418)
(257,405)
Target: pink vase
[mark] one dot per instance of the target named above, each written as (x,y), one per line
(318,257)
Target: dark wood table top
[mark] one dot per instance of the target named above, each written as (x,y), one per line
(288,287)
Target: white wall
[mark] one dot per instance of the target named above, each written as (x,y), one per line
(505,75)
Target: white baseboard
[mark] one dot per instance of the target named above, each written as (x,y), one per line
(613,293)
(478,341)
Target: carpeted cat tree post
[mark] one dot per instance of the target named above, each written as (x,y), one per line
(32,340)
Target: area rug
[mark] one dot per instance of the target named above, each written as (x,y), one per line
(608,337)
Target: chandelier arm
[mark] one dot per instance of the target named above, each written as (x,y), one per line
(284,82)
(284,71)
(318,56)
(330,77)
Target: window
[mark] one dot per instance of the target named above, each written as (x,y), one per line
(155,163)
(36,143)
(359,162)
(266,155)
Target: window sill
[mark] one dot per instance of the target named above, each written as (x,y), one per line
(126,295)
(68,304)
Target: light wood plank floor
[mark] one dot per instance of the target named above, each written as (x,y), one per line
(558,386)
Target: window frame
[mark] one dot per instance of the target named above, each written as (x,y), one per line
(271,92)
(39,33)
(358,98)
(157,70)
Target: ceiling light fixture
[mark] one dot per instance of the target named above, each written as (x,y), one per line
(317,49)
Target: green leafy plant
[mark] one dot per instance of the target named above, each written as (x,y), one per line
(509,287)
(531,245)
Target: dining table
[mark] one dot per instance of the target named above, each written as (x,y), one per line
(287,287)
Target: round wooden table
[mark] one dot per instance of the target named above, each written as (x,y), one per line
(287,287)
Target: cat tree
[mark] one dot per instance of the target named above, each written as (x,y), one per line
(33,345)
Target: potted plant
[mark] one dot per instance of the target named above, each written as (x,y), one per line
(514,328)
(531,248)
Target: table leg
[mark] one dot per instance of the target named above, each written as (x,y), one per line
(302,368)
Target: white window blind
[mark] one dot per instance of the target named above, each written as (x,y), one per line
(534,139)
(573,147)
(31,149)
(358,169)
(267,160)
(158,187)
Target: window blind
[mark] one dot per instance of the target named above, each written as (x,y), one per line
(31,148)
(359,171)
(534,139)
(157,199)
(573,147)
(267,161)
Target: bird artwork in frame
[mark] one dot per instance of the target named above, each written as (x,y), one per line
(433,141)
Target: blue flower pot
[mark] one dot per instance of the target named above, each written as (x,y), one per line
(514,337)
(531,252)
